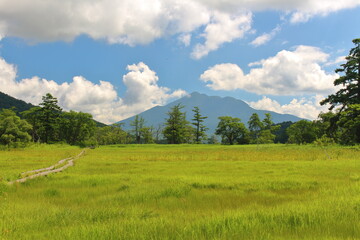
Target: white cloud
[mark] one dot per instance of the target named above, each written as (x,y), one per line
(142,89)
(185,39)
(266,37)
(303,107)
(337,61)
(225,76)
(129,22)
(223,28)
(101,100)
(295,72)
(299,10)
(310,9)
(136,22)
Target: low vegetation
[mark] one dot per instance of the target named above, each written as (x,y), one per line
(184,192)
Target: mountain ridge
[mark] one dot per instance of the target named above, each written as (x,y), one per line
(7,101)
(211,107)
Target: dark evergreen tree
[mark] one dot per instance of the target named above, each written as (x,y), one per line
(147,134)
(200,128)
(49,117)
(255,126)
(350,93)
(267,132)
(176,126)
(346,99)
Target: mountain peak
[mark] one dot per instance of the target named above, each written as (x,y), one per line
(210,106)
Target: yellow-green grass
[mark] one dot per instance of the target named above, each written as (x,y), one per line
(15,161)
(190,192)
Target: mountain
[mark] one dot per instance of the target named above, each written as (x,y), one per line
(210,106)
(7,101)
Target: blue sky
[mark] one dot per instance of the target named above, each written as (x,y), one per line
(115,59)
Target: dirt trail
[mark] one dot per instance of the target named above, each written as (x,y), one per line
(64,163)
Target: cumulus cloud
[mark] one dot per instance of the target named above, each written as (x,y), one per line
(295,72)
(266,37)
(308,108)
(101,100)
(299,10)
(142,89)
(222,29)
(310,9)
(129,22)
(134,22)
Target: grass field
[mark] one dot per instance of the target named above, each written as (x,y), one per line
(184,192)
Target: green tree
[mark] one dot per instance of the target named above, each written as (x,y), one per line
(176,126)
(200,128)
(33,116)
(266,137)
(231,130)
(301,132)
(346,99)
(267,122)
(280,133)
(137,124)
(255,126)
(326,125)
(350,93)
(349,124)
(147,134)
(76,127)
(267,132)
(13,130)
(49,117)
(113,134)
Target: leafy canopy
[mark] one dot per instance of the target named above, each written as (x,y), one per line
(231,130)
(13,130)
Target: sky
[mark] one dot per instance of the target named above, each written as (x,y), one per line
(117,58)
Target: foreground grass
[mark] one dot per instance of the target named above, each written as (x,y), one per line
(189,192)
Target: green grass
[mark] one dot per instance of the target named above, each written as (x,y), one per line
(15,161)
(186,192)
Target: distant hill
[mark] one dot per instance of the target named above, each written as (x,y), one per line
(210,106)
(7,101)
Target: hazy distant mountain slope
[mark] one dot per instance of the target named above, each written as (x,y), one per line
(7,101)
(210,106)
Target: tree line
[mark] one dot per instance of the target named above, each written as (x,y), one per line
(48,123)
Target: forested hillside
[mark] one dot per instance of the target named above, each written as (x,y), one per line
(7,101)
